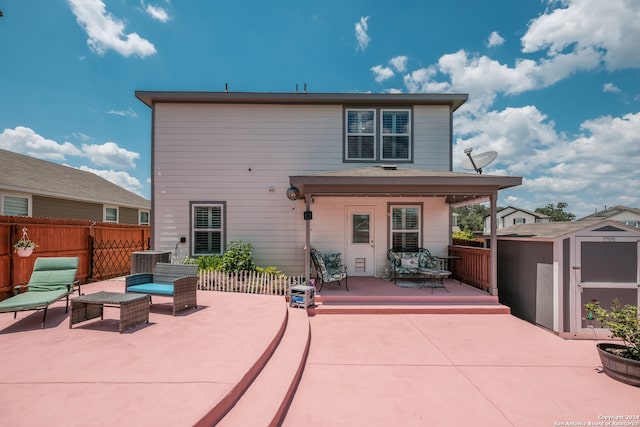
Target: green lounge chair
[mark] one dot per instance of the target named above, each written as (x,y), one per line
(52,279)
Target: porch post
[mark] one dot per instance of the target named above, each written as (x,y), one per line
(493,252)
(307,240)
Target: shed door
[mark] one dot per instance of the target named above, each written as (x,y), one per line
(605,268)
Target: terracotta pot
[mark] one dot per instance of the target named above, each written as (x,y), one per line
(24,252)
(618,367)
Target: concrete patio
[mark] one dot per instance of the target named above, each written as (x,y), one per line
(249,360)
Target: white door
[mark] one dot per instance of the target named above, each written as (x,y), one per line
(360,243)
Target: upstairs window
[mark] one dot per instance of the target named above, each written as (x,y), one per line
(378,135)
(395,135)
(519,220)
(361,125)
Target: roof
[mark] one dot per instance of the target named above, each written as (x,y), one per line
(40,177)
(552,230)
(455,100)
(612,211)
(394,181)
(515,209)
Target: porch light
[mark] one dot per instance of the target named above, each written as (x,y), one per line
(293,193)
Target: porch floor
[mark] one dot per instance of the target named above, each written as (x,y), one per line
(370,295)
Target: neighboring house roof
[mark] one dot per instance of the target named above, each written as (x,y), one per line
(552,230)
(387,179)
(453,99)
(29,175)
(514,209)
(612,211)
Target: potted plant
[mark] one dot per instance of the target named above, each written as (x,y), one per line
(619,361)
(24,247)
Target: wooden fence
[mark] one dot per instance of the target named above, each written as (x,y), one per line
(249,282)
(473,267)
(104,249)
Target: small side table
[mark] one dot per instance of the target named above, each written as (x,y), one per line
(134,308)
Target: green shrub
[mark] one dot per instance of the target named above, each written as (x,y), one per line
(622,322)
(238,257)
(271,270)
(463,235)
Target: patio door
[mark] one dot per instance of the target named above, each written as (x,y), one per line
(605,269)
(360,244)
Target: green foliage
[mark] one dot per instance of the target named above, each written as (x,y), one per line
(271,270)
(622,322)
(238,257)
(471,217)
(557,212)
(463,235)
(209,262)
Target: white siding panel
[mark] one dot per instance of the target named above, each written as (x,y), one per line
(244,154)
(432,137)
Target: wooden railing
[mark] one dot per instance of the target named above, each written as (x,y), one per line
(249,282)
(473,267)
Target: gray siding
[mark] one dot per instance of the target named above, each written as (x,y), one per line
(517,274)
(128,216)
(48,207)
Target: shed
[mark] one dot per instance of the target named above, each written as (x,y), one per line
(548,271)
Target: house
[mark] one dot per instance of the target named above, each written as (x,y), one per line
(623,214)
(351,173)
(50,190)
(548,271)
(510,215)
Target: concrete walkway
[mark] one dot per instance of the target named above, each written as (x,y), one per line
(362,370)
(452,370)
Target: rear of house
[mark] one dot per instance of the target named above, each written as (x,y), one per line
(351,173)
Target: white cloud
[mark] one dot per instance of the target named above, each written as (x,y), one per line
(361,33)
(495,39)
(382,73)
(128,113)
(610,87)
(122,179)
(107,32)
(611,27)
(109,154)
(399,63)
(157,13)
(24,140)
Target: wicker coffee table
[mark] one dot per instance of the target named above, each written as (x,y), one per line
(134,308)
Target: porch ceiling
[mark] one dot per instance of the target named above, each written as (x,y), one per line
(390,181)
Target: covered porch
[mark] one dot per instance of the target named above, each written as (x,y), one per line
(388,185)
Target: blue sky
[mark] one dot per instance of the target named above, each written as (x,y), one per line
(554,86)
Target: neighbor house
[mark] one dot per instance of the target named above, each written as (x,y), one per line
(352,173)
(626,215)
(38,188)
(506,217)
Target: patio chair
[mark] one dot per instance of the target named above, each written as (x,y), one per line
(51,280)
(329,268)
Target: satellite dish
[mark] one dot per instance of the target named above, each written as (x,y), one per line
(478,161)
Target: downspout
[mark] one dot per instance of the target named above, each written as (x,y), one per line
(307,240)
(493,252)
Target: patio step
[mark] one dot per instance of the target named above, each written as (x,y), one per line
(389,304)
(266,400)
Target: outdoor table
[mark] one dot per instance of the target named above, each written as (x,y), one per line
(436,277)
(134,308)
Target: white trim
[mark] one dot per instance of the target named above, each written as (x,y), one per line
(140,212)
